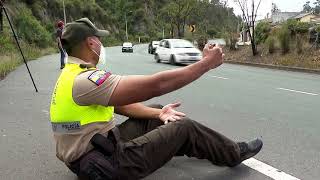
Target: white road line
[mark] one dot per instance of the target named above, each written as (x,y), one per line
(291,90)
(219,77)
(268,170)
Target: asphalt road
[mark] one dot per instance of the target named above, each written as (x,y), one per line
(238,101)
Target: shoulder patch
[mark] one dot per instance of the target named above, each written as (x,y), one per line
(99,76)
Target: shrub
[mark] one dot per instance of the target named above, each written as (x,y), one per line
(302,27)
(144,39)
(284,39)
(212,32)
(318,28)
(292,26)
(111,41)
(8,63)
(296,27)
(299,44)
(6,43)
(233,42)
(270,42)
(262,32)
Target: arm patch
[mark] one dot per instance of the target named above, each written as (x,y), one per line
(99,76)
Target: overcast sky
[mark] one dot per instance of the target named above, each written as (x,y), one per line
(265,7)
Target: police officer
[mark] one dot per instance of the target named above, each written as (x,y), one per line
(85,99)
(60,26)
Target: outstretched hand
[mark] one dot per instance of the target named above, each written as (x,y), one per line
(169,114)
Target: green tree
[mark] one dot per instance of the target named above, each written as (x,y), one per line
(316,9)
(307,8)
(250,20)
(146,18)
(178,11)
(275,8)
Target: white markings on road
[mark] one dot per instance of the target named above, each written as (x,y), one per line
(268,170)
(291,90)
(219,77)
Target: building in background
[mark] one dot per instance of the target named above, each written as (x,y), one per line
(281,17)
(308,18)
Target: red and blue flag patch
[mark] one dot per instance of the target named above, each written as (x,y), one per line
(99,76)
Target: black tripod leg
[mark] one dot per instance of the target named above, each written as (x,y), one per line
(15,36)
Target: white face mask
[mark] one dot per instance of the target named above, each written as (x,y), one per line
(102,55)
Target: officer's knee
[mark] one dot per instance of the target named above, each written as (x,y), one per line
(186,123)
(157,106)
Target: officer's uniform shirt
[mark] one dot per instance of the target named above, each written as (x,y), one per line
(86,91)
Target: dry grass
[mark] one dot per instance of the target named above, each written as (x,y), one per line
(309,58)
(9,61)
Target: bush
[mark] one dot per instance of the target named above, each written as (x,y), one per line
(284,39)
(262,32)
(270,42)
(31,30)
(111,41)
(299,44)
(6,43)
(8,63)
(302,27)
(201,41)
(233,41)
(144,39)
(212,32)
(296,27)
(292,26)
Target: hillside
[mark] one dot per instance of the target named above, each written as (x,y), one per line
(34,22)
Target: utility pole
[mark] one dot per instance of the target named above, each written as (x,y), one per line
(125,17)
(162,32)
(64,12)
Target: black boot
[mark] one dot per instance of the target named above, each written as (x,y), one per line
(249,149)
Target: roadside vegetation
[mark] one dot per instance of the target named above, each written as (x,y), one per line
(34,22)
(293,43)
(289,44)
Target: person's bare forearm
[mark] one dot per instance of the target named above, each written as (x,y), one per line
(174,79)
(138,110)
(133,89)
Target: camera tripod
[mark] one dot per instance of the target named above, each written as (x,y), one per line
(3,9)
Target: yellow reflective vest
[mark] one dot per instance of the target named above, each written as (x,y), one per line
(65,114)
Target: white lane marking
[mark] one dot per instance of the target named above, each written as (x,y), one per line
(291,90)
(268,170)
(219,77)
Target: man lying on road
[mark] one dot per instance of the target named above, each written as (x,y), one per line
(86,98)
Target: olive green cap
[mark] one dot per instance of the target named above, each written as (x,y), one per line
(79,30)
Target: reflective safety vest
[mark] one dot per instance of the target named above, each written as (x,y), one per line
(66,115)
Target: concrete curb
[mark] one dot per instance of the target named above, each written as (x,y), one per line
(285,68)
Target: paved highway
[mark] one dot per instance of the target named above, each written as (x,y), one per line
(238,101)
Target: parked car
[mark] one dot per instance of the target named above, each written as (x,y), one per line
(127,47)
(153,46)
(177,51)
